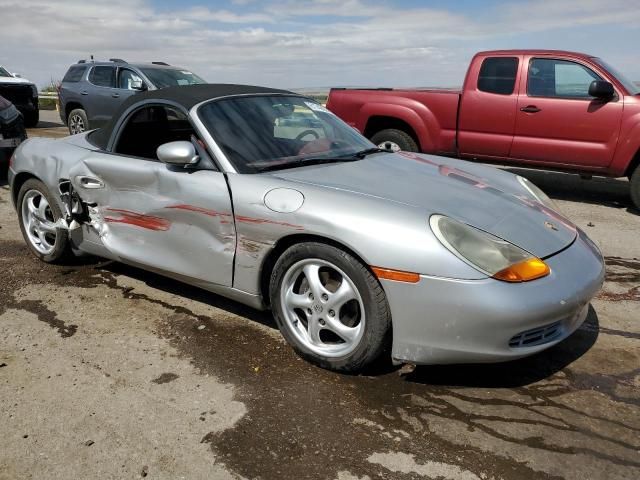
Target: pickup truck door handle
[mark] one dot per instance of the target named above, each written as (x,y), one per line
(90,183)
(115,95)
(84,92)
(530,109)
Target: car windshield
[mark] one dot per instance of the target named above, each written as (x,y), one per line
(4,73)
(261,133)
(631,87)
(171,77)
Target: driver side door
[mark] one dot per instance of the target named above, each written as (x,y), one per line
(164,218)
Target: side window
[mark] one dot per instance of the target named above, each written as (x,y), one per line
(103,76)
(498,75)
(129,80)
(74,74)
(559,78)
(151,126)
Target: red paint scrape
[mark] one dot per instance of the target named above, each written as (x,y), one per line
(261,221)
(148,222)
(204,211)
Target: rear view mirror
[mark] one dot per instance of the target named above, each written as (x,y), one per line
(601,89)
(178,153)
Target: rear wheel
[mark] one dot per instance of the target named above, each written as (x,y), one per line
(635,187)
(329,307)
(394,140)
(31,119)
(77,121)
(38,214)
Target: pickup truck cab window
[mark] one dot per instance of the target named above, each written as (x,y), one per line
(498,75)
(550,77)
(103,76)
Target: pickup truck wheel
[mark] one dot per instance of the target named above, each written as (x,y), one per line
(635,187)
(77,121)
(394,140)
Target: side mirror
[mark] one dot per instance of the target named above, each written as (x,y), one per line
(178,153)
(601,89)
(138,84)
(16,75)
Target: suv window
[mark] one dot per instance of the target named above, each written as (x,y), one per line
(550,77)
(103,76)
(498,75)
(170,77)
(127,79)
(74,74)
(151,126)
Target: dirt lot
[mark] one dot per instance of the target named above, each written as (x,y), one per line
(110,372)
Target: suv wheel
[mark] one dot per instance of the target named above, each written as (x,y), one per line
(77,121)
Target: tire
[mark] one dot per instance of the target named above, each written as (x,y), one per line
(31,119)
(364,321)
(634,180)
(77,121)
(48,251)
(395,140)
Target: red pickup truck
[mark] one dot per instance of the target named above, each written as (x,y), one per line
(550,109)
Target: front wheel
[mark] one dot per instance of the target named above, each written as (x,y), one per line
(38,215)
(330,307)
(394,140)
(634,180)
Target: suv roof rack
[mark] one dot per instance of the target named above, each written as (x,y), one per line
(160,63)
(82,61)
(117,60)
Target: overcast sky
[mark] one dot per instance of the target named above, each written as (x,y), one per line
(296,43)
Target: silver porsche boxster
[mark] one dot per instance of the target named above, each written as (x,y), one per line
(265,197)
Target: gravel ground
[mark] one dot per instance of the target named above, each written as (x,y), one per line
(107,371)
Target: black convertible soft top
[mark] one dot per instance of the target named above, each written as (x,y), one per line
(187,96)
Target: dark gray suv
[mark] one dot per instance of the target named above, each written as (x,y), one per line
(91,91)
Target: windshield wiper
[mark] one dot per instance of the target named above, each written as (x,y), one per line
(363,153)
(303,162)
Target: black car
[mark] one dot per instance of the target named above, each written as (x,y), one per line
(23,94)
(12,132)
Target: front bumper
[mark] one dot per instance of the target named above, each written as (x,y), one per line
(443,321)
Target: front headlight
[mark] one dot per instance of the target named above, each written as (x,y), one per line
(537,193)
(491,255)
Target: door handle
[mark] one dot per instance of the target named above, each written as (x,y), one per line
(89,183)
(84,92)
(530,109)
(115,95)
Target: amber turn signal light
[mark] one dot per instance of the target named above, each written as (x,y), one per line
(524,271)
(397,275)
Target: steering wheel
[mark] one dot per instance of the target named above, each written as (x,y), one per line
(313,133)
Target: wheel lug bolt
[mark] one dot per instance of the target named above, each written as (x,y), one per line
(325,297)
(311,296)
(332,313)
(309,311)
(321,322)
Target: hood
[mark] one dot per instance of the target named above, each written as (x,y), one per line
(14,80)
(489,199)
